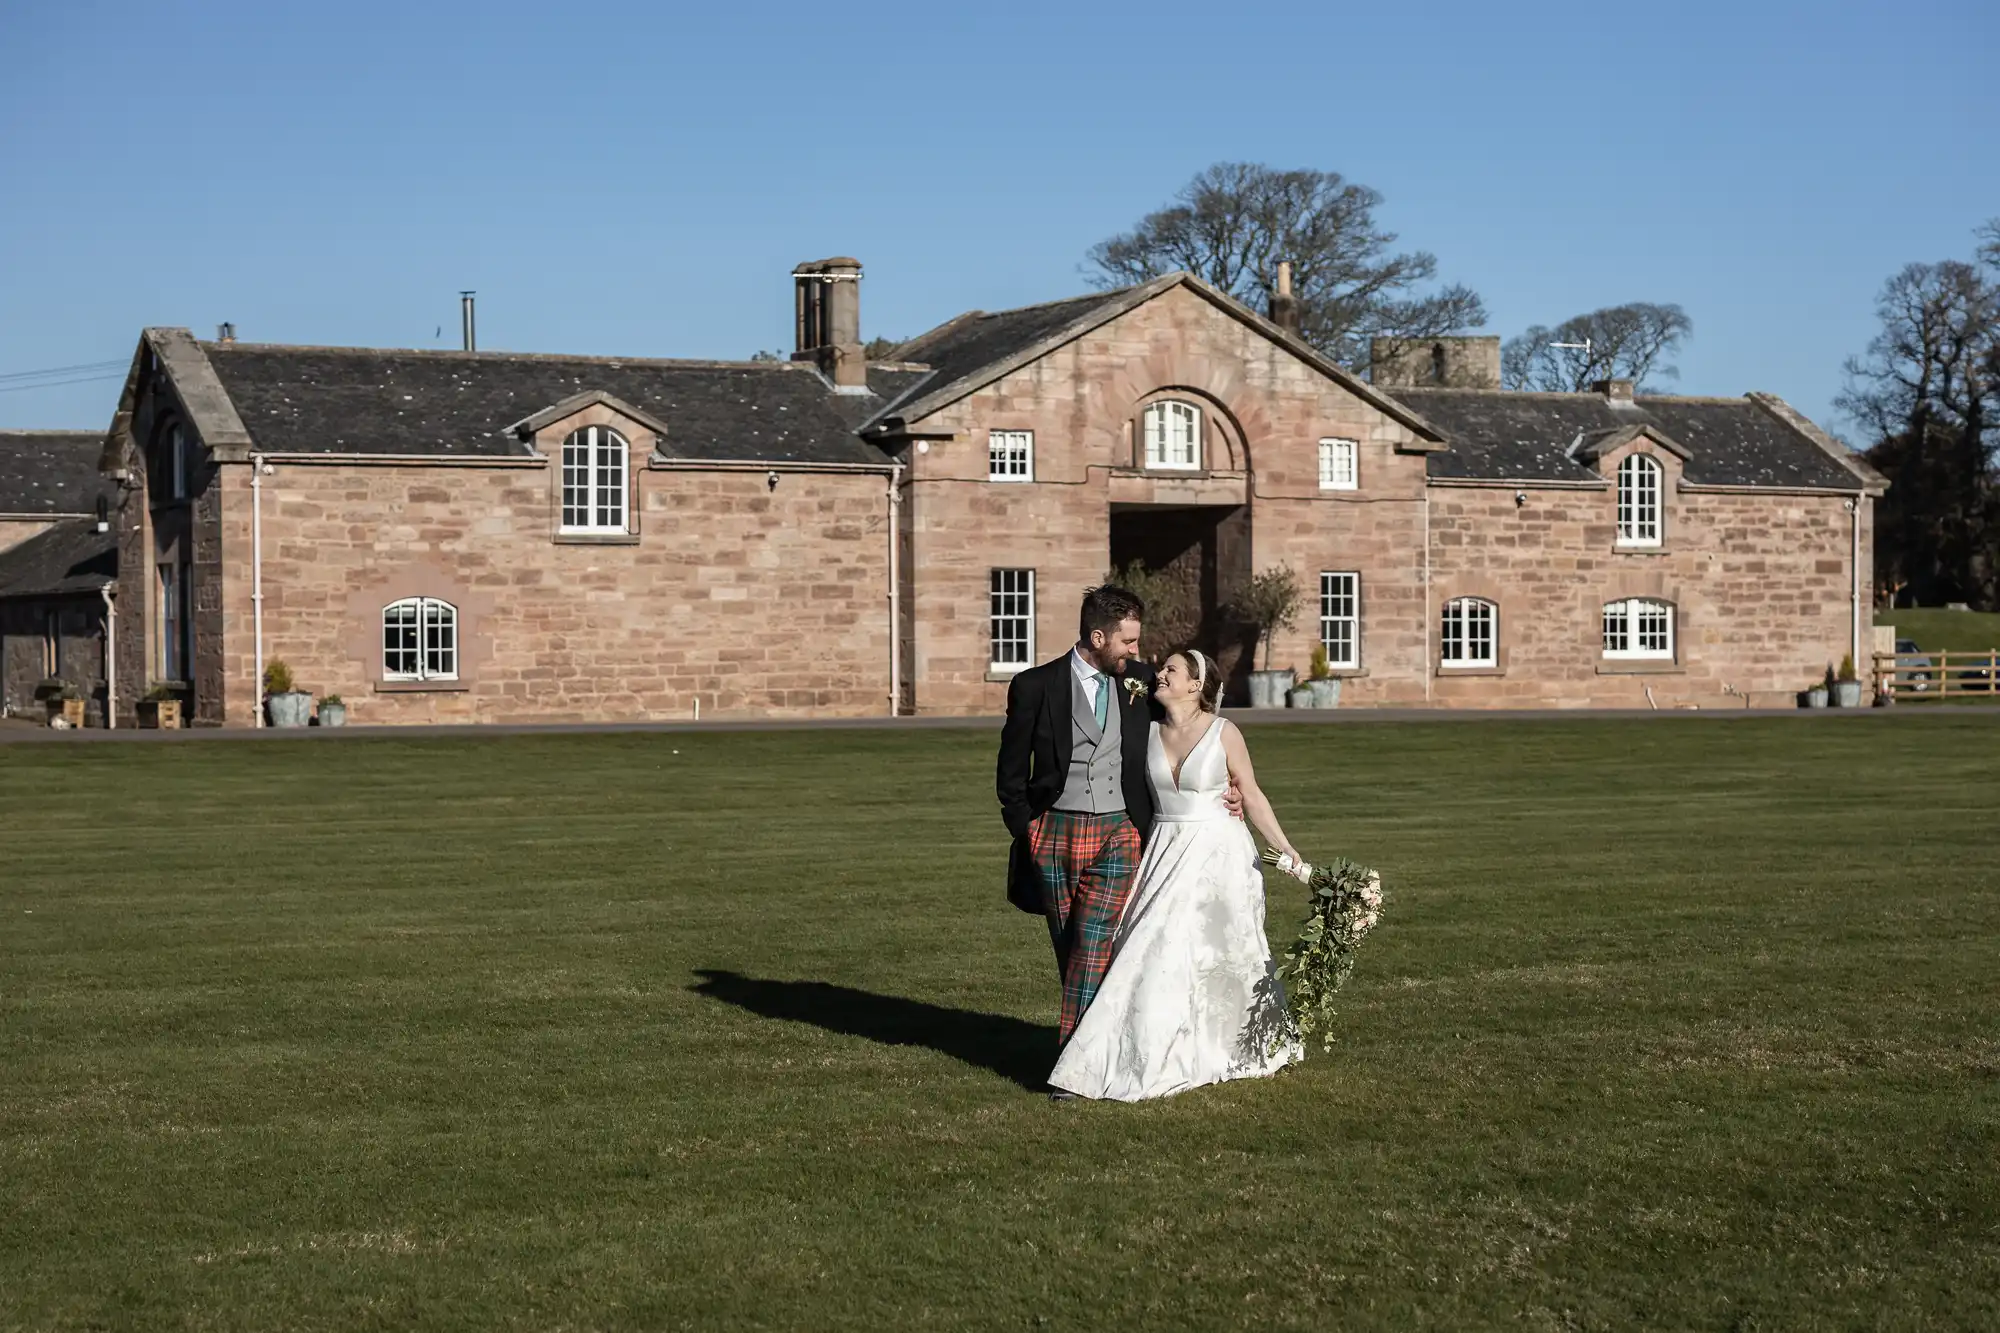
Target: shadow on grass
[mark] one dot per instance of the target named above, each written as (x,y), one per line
(1010,1047)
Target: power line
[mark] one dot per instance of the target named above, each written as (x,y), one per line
(93,368)
(57,384)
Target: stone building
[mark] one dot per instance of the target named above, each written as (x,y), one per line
(58,568)
(482,536)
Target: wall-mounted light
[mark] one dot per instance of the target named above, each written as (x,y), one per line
(1520,498)
(771,480)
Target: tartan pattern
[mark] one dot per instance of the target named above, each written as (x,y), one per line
(1085,865)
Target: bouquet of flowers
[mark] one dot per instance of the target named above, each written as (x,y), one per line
(1346,903)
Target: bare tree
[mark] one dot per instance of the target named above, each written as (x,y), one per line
(1620,342)
(1927,393)
(1232,225)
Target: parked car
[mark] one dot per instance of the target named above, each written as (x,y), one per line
(1909,658)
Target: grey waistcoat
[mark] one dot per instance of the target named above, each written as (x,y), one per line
(1096,781)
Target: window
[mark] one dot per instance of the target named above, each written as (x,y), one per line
(1340,618)
(1173,435)
(1638,501)
(593,497)
(177,464)
(1639,628)
(51,645)
(420,640)
(173,622)
(1013,618)
(1336,465)
(1010,455)
(1470,633)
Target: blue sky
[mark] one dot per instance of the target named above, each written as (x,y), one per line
(638,179)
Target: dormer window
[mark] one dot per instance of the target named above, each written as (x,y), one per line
(1173,435)
(594,461)
(1638,501)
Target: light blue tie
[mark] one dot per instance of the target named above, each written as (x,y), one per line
(1103,701)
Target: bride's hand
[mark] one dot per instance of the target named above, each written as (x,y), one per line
(1232,800)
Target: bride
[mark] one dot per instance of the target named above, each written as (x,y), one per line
(1190,997)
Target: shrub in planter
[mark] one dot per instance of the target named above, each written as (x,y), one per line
(1299,696)
(160,707)
(333,711)
(62,700)
(1846,690)
(288,706)
(1269,604)
(1324,684)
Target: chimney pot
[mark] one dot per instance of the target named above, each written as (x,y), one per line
(467,327)
(225,333)
(827,309)
(1285,307)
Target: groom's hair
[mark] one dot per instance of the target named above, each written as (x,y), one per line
(1107,608)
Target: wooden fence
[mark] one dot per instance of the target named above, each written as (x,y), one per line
(1938,675)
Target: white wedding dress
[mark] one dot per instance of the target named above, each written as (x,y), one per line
(1190,997)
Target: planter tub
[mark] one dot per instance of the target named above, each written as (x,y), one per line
(1267,688)
(160,714)
(1299,696)
(69,710)
(1815,697)
(1326,692)
(333,715)
(291,709)
(1847,694)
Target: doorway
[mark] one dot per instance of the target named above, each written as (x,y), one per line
(1196,562)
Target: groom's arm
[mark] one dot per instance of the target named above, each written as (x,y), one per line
(1017,739)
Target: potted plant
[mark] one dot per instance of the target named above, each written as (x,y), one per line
(1846,686)
(1270,604)
(1815,694)
(333,711)
(1300,695)
(160,708)
(1325,685)
(289,707)
(63,700)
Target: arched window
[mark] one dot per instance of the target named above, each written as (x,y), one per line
(1470,634)
(420,640)
(593,480)
(1173,435)
(1639,628)
(1638,501)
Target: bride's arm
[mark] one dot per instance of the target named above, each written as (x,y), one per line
(1256,807)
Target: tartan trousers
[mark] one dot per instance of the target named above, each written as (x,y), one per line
(1085,865)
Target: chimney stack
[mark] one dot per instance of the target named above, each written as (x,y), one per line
(827,309)
(465,321)
(1284,308)
(1618,391)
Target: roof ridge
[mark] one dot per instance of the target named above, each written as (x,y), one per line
(1105,295)
(51,430)
(459,353)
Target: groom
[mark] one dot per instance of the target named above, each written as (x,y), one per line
(1074,792)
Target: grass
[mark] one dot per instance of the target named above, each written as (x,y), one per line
(1662,1029)
(1936,630)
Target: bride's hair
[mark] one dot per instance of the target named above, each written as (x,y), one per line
(1207,675)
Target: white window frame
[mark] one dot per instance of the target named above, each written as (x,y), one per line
(596,481)
(1010,455)
(1339,464)
(434,649)
(1167,448)
(1010,620)
(1465,622)
(1340,618)
(1639,629)
(1641,484)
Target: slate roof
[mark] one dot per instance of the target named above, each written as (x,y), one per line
(51,471)
(384,401)
(975,341)
(71,557)
(1503,435)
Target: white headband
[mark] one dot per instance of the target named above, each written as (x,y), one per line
(1200,666)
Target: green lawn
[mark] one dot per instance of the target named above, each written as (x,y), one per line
(1673,1023)
(1937,630)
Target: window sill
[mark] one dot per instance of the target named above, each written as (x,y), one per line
(1011,481)
(597,539)
(422,686)
(1338,490)
(998,675)
(1346,673)
(1639,666)
(1622,549)
(1447,671)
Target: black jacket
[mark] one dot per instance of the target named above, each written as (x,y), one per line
(1035,753)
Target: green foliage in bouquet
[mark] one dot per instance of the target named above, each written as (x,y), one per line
(1345,904)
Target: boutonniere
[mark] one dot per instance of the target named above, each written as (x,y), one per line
(1134,687)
